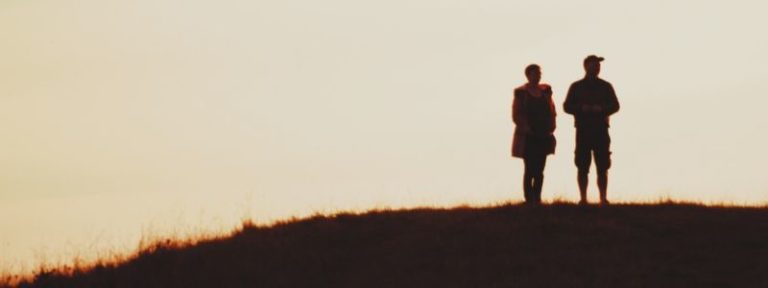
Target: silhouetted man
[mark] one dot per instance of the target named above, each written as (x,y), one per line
(592,101)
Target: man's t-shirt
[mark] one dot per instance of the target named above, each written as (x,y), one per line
(591,91)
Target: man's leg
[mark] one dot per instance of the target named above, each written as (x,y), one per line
(583,179)
(583,161)
(603,163)
(602,184)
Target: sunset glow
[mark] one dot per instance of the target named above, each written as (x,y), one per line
(122,120)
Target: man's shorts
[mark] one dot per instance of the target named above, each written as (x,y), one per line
(595,141)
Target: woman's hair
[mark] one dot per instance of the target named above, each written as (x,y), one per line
(531,68)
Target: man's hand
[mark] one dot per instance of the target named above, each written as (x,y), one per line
(591,108)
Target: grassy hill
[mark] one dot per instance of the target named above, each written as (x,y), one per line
(506,246)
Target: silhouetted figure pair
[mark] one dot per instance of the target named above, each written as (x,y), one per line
(591,101)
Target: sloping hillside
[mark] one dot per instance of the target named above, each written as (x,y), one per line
(507,246)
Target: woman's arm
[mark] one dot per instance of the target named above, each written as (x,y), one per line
(518,110)
(553,115)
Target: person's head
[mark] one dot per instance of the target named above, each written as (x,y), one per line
(592,65)
(533,73)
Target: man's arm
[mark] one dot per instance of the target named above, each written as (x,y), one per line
(570,106)
(613,102)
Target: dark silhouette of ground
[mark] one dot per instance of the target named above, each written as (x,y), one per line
(507,246)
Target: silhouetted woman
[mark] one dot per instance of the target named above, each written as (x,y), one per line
(533,112)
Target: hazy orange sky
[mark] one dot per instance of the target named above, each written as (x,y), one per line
(128,118)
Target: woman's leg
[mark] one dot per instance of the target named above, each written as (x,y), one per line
(528,179)
(538,176)
(533,178)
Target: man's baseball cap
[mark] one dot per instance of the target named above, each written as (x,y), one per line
(593,58)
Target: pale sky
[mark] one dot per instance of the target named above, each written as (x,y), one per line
(129,119)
